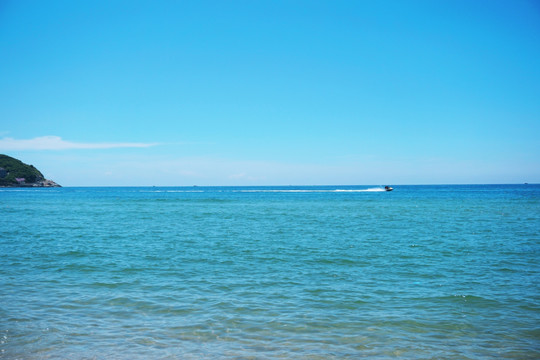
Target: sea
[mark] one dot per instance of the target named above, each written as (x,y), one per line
(273,272)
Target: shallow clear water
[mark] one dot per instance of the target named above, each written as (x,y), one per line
(424,272)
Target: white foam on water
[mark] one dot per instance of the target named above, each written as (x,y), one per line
(311,191)
(376,189)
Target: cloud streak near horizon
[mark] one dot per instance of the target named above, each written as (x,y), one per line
(57,143)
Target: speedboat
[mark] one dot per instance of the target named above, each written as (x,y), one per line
(388,188)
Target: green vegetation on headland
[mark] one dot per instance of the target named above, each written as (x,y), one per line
(15,173)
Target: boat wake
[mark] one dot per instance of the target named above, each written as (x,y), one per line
(375,189)
(309,190)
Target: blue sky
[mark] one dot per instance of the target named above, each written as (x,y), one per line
(272,92)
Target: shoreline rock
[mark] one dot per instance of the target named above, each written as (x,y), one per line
(16,174)
(46,183)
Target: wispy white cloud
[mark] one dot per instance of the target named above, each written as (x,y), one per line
(57,143)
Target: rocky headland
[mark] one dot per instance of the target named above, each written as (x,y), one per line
(15,173)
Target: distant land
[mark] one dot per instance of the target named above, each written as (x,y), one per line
(15,173)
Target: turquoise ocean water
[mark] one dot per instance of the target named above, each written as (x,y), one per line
(336,272)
